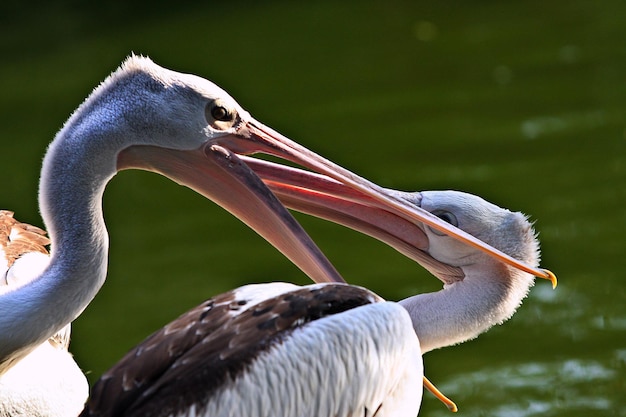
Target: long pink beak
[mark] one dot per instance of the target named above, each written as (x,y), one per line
(323,197)
(219,171)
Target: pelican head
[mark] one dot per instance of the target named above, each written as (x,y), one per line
(510,232)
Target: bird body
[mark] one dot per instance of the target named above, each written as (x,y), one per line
(288,352)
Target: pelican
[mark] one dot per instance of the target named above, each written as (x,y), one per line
(326,349)
(146,117)
(479,289)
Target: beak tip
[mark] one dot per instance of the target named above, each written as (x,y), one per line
(550,276)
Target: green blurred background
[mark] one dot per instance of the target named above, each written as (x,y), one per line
(523,103)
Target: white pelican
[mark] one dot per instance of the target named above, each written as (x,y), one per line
(182,126)
(325,349)
(479,290)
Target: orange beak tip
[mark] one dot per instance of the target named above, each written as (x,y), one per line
(550,276)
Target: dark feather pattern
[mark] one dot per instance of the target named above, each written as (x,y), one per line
(210,346)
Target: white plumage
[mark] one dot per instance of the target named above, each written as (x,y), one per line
(356,353)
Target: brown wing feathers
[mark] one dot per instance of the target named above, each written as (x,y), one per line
(18,238)
(210,346)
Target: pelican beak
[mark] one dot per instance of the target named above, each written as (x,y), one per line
(220,171)
(323,197)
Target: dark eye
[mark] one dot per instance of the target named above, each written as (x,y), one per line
(447,217)
(219,113)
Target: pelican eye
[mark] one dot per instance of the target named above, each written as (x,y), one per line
(219,113)
(447,217)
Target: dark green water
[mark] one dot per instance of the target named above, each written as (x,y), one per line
(522,103)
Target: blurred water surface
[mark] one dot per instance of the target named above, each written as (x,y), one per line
(521,103)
